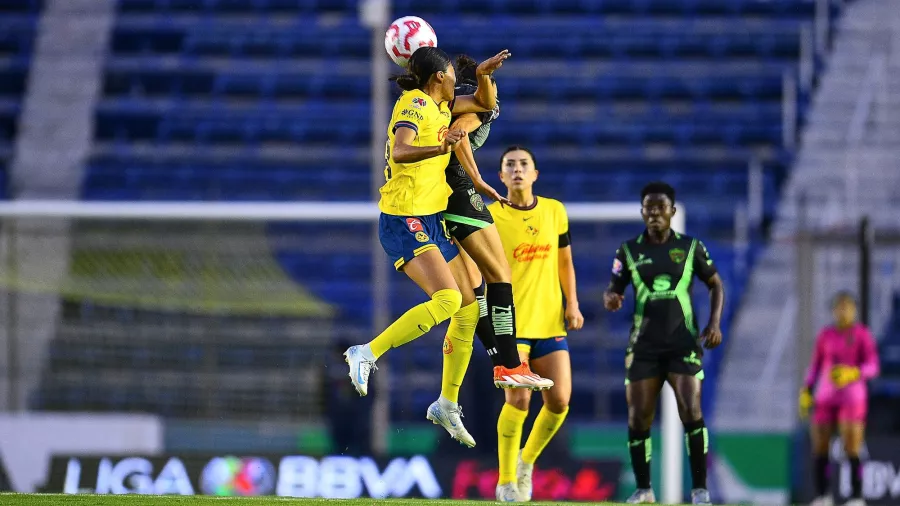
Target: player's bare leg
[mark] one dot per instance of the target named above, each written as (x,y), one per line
(432,274)
(556,366)
(853,435)
(642,397)
(457,350)
(687,395)
(484,255)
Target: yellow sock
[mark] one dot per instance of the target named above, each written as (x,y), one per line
(458,350)
(417,321)
(509,437)
(545,426)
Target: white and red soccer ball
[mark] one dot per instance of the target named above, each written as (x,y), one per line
(405,35)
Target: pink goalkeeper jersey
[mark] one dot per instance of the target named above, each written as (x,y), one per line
(854,347)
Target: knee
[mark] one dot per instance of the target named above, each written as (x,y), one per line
(497,272)
(518,398)
(557,404)
(557,407)
(446,303)
(690,413)
(639,419)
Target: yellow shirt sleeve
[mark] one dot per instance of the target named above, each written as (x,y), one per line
(562,218)
(409,113)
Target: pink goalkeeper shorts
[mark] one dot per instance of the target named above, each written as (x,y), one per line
(831,412)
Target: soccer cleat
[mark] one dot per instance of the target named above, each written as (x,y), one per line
(520,377)
(855,502)
(450,419)
(822,500)
(700,496)
(642,496)
(507,493)
(523,479)
(360,368)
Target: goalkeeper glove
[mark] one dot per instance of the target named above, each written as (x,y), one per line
(843,375)
(805,402)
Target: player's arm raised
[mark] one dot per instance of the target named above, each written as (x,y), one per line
(469,123)
(404,152)
(485,97)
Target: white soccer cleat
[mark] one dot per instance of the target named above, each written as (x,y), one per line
(450,418)
(822,500)
(855,502)
(642,496)
(360,368)
(523,479)
(507,493)
(700,496)
(520,377)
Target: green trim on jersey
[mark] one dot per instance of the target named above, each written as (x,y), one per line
(681,293)
(455,218)
(642,294)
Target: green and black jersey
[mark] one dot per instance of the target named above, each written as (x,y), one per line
(661,275)
(457,178)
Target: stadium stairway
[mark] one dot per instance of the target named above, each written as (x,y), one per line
(766,318)
(18,23)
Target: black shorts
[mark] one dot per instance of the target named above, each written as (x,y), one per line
(644,365)
(466,214)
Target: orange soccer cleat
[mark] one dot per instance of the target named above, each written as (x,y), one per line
(520,377)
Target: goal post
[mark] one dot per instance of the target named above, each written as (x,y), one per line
(217,259)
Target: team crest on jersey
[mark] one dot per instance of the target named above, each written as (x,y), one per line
(421,237)
(476,202)
(414,224)
(531,230)
(677,255)
(418,103)
(617,266)
(448,346)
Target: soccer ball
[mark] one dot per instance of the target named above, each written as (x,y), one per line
(405,36)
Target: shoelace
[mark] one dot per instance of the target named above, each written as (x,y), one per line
(366,368)
(457,411)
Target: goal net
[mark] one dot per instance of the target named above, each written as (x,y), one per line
(238,311)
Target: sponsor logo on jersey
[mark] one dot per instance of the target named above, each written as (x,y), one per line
(476,202)
(409,113)
(414,224)
(643,261)
(418,103)
(617,266)
(421,237)
(527,252)
(677,255)
(442,133)
(662,283)
(445,114)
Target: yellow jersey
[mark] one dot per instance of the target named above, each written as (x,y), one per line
(419,188)
(531,239)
